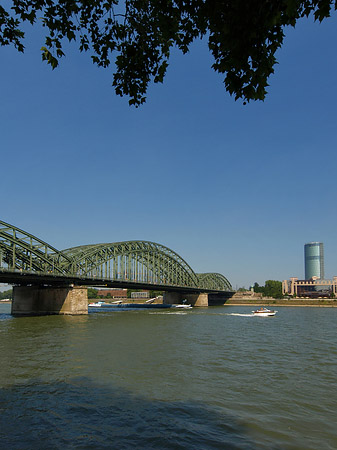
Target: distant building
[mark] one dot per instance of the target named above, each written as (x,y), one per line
(314,285)
(114,293)
(313,288)
(314,260)
(247,294)
(141,294)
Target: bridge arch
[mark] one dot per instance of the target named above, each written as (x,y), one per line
(139,261)
(20,250)
(133,261)
(214,281)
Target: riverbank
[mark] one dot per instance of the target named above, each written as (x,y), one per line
(239,302)
(323,302)
(248,301)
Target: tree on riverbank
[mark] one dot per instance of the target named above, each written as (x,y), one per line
(6,294)
(138,35)
(92,293)
(272,288)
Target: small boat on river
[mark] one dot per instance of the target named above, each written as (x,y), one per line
(264,312)
(182,306)
(96,304)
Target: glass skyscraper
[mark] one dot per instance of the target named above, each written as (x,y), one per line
(314,260)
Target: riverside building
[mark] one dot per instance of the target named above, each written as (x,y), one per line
(313,288)
(314,285)
(314,260)
(113,293)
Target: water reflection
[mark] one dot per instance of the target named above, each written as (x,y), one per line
(42,346)
(80,414)
(269,381)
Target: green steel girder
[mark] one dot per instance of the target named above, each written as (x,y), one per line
(132,261)
(23,251)
(214,281)
(158,264)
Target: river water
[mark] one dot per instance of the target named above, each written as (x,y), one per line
(207,378)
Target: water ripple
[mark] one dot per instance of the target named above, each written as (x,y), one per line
(206,379)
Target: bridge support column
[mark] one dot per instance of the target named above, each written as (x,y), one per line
(192,299)
(40,300)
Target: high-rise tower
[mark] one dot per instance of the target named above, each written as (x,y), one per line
(314,260)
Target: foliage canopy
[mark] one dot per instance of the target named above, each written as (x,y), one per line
(6,294)
(92,293)
(272,288)
(137,36)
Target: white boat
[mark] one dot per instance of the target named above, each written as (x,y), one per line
(96,304)
(264,312)
(183,306)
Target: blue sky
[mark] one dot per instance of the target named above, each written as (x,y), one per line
(233,189)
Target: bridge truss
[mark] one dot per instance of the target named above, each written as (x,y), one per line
(131,262)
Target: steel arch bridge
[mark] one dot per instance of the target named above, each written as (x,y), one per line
(26,258)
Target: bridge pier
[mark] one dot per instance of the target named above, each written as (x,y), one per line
(44,300)
(192,299)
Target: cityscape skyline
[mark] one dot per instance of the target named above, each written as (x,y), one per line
(228,187)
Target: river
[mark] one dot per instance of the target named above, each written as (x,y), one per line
(206,378)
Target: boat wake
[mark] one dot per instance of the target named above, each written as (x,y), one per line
(171,313)
(240,315)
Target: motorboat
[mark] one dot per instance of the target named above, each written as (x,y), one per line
(105,305)
(264,312)
(96,304)
(183,306)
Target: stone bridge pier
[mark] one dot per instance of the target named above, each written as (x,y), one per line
(199,299)
(192,299)
(44,300)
